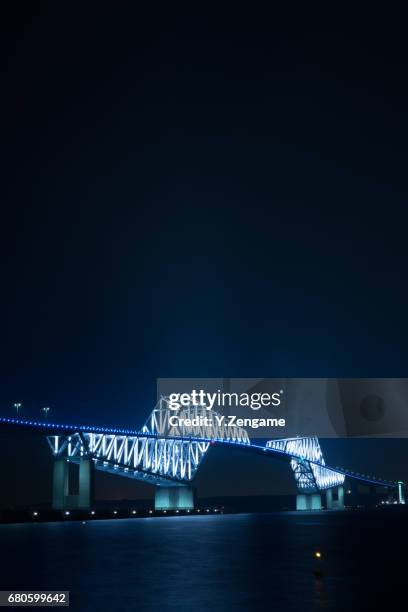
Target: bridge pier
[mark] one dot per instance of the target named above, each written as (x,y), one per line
(308,501)
(60,484)
(85,489)
(401,497)
(174,498)
(332,503)
(61,497)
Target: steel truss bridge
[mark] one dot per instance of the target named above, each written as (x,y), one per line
(166,455)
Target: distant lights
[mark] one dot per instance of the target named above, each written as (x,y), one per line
(115,512)
(35,513)
(134,512)
(93,512)
(67,513)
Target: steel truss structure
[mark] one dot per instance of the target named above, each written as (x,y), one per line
(203,424)
(168,451)
(307,463)
(159,461)
(162,454)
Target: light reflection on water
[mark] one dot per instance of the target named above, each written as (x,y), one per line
(230,562)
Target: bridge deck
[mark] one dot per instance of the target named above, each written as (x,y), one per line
(64,429)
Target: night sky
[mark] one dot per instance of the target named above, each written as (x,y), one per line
(196,190)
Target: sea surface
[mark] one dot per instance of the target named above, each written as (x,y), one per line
(204,563)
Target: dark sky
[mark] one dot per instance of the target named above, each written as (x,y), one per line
(199,190)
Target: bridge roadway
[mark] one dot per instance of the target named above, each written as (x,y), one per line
(59,429)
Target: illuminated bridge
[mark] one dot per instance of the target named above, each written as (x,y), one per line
(169,457)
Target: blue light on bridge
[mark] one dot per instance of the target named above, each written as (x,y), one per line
(188,451)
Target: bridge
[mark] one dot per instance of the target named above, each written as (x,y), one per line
(168,456)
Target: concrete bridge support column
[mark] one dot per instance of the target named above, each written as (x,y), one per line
(340,498)
(174,498)
(335,504)
(329,499)
(308,501)
(85,491)
(401,497)
(61,497)
(60,484)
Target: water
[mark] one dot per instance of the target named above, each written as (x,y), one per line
(230,562)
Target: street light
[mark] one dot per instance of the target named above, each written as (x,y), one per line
(17,406)
(46,411)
